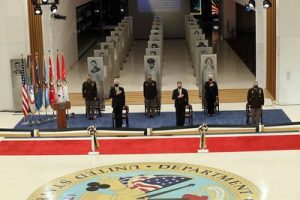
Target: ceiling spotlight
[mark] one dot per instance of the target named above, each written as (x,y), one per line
(251,3)
(45,1)
(53,8)
(38,10)
(267,4)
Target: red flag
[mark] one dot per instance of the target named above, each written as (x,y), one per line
(63,68)
(64,79)
(51,84)
(59,92)
(58,78)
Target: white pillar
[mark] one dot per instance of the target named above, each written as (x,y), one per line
(261,22)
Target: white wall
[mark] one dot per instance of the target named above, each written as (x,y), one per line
(288,46)
(261,44)
(61,34)
(14,41)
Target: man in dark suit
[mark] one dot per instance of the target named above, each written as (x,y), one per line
(181,97)
(150,93)
(89,93)
(211,93)
(117,94)
(255,100)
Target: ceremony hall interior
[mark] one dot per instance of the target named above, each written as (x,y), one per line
(55,144)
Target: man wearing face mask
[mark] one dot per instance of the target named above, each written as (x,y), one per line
(255,100)
(211,93)
(181,97)
(89,93)
(117,94)
(150,93)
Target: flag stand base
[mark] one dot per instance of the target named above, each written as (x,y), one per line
(202,144)
(92,130)
(202,151)
(93,153)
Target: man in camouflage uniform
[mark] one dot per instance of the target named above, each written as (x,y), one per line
(150,95)
(255,101)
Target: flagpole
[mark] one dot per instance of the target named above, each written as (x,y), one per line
(46,114)
(39,120)
(31,119)
(24,121)
(50,58)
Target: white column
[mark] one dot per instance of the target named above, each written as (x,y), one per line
(261,22)
(288,40)
(14,41)
(61,34)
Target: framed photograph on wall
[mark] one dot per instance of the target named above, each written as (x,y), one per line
(196,7)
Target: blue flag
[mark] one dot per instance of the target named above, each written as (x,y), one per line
(38,90)
(46,89)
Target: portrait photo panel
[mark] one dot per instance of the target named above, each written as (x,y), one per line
(208,67)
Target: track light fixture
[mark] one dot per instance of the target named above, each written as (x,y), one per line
(38,10)
(267,4)
(39,3)
(251,3)
(53,8)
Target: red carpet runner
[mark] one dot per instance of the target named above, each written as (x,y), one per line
(151,146)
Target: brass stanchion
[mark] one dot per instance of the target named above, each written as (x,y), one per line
(202,145)
(36,133)
(92,131)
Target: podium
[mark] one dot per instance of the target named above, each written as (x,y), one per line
(61,117)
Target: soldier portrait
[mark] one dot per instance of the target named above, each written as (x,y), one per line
(208,66)
(94,67)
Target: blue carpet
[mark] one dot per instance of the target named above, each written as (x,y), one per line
(166,119)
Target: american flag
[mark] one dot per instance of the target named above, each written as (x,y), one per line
(215,7)
(25,105)
(152,183)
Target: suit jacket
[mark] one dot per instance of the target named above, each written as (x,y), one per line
(150,90)
(117,100)
(211,90)
(180,101)
(255,97)
(89,90)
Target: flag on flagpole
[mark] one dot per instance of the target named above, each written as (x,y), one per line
(46,89)
(64,79)
(59,98)
(25,104)
(51,83)
(30,83)
(38,89)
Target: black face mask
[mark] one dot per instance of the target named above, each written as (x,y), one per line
(256,86)
(210,79)
(116,85)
